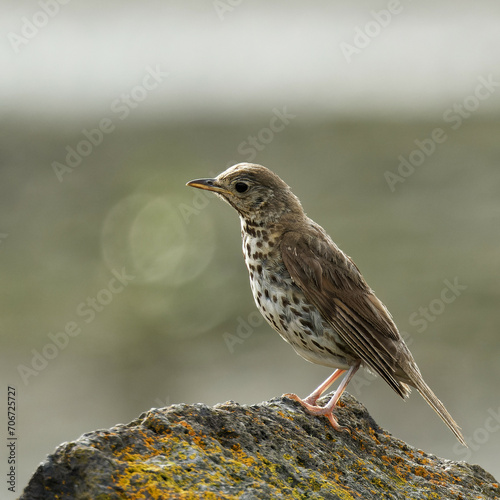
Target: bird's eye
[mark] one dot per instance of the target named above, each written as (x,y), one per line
(241,187)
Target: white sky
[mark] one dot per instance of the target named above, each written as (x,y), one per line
(258,56)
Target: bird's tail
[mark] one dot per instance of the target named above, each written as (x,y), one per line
(418,382)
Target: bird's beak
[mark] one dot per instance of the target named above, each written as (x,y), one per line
(209,185)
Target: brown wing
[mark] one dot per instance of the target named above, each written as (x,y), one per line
(333,283)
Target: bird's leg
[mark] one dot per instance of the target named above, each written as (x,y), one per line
(309,403)
(342,387)
(315,395)
(327,410)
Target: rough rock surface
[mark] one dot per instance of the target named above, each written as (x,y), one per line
(272,450)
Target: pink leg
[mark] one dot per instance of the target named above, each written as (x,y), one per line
(315,395)
(327,411)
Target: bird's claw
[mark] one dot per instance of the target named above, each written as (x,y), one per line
(316,410)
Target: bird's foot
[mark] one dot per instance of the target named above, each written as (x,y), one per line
(313,409)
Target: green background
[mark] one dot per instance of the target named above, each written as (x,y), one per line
(184,329)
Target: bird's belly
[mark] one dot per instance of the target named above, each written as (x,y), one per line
(299,323)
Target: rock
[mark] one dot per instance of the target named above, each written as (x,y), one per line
(272,450)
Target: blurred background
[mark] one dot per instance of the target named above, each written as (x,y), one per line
(125,290)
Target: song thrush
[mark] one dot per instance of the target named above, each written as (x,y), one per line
(312,293)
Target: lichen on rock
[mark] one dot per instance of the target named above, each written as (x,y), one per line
(273,450)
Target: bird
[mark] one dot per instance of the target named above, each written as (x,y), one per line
(313,294)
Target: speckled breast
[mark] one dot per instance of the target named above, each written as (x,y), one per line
(282,302)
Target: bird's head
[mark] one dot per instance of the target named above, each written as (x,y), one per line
(254,191)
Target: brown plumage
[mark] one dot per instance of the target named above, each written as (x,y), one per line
(312,293)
